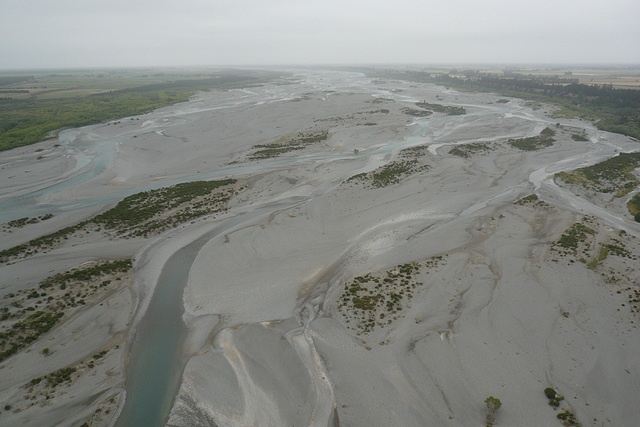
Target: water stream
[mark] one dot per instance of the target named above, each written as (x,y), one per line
(157,360)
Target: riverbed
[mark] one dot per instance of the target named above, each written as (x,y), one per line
(256,335)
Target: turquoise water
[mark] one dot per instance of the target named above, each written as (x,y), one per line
(155,365)
(156,362)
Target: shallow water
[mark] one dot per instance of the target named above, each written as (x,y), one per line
(156,362)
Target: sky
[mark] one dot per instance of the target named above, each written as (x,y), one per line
(141,33)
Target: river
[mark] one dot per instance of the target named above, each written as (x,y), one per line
(157,357)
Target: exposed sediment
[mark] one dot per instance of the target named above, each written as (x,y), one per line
(291,319)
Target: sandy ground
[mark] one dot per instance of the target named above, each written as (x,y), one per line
(271,341)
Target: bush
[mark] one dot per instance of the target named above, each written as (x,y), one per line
(550,393)
(493,404)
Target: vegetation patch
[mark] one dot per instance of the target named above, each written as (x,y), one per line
(414,152)
(468,150)
(579,137)
(42,389)
(532,200)
(533,143)
(446,109)
(376,300)
(567,416)
(611,176)
(21,222)
(391,173)
(493,404)
(379,100)
(612,256)
(578,236)
(284,145)
(414,112)
(634,207)
(87,273)
(142,214)
(27,314)
(553,396)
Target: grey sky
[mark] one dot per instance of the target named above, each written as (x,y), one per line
(88,33)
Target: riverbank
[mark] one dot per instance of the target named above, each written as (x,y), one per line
(276,335)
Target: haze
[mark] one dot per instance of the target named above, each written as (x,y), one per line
(65,33)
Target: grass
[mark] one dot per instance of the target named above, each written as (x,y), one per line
(55,102)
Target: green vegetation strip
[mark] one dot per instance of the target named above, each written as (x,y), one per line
(88,273)
(142,214)
(611,176)
(284,145)
(391,173)
(532,200)
(446,109)
(21,222)
(27,121)
(468,150)
(543,140)
(416,113)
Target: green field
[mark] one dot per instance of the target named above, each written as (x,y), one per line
(35,106)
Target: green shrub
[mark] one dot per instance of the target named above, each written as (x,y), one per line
(493,404)
(550,393)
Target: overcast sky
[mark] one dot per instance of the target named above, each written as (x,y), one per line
(98,33)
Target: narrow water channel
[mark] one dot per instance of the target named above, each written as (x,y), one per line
(157,360)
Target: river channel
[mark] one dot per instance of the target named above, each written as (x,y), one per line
(157,358)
